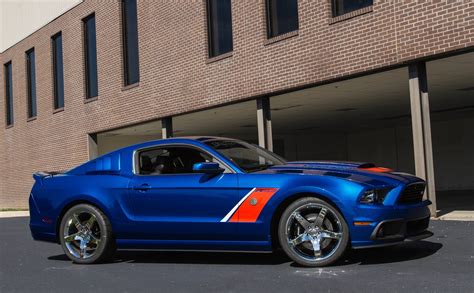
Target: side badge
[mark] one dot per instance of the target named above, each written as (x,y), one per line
(253,201)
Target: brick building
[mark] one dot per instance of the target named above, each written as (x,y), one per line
(391,82)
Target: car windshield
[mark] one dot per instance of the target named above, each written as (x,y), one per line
(248,157)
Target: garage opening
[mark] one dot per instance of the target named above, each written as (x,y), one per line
(451,94)
(118,138)
(364,119)
(234,121)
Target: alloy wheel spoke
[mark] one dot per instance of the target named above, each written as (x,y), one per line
(320,218)
(76,222)
(331,234)
(91,222)
(71,237)
(82,248)
(302,220)
(316,244)
(94,240)
(300,239)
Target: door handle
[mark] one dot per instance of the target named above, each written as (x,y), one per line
(144,187)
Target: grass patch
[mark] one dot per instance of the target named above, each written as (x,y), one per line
(12,210)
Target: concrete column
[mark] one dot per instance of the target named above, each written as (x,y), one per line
(264,123)
(167,127)
(92,147)
(421,128)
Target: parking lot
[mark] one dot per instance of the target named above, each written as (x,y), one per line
(442,263)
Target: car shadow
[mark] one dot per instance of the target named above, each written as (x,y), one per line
(399,253)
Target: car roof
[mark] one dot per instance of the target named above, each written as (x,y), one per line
(182,139)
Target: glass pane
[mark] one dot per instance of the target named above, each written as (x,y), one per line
(220,27)
(91,57)
(31,71)
(130,36)
(9,93)
(345,6)
(283,17)
(58,71)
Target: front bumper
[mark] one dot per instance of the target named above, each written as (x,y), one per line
(389,224)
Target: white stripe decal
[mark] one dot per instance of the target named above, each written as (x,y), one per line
(232,211)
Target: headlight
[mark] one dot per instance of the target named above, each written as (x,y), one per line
(374,196)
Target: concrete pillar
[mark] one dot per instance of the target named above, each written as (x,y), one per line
(264,123)
(421,128)
(167,127)
(92,147)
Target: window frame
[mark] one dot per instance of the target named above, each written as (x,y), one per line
(136,158)
(56,77)
(87,69)
(210,33)
(8,90)
(125,42)
(30,84)
(269,22)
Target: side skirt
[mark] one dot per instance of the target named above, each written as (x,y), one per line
(195,245)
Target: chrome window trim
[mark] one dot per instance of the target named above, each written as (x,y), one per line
(137,152)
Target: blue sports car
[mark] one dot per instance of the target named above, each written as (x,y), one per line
(210,193)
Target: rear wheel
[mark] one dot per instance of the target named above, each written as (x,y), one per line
(312,232)
(86,235)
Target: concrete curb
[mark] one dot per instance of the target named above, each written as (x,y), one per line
(13,214)
(458,216)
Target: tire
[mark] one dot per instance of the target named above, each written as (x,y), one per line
(321,226)
(85,235)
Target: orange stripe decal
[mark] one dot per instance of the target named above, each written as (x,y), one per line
(253,205)
(377,169)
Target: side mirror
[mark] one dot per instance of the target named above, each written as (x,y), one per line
(207,168)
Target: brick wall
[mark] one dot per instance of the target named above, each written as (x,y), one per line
(176,77)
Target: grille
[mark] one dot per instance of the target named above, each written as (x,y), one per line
(412,194)
(417,226)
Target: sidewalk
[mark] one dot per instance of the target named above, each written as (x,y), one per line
(13,214)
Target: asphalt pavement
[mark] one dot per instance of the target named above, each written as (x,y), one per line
(442,263)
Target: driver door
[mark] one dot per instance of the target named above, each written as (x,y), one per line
(170,202)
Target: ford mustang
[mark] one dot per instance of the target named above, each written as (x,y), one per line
(210,193)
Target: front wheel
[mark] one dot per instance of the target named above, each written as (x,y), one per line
(86,235)
(312,232)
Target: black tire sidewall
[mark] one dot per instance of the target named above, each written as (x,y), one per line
(105,231)
(293,255)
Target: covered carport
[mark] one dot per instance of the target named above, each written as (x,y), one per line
(417,119)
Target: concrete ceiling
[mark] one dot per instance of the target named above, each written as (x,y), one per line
(373,101)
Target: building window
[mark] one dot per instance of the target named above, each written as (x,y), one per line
(340,7)
(8,92)
(219,22)
(282,17)
(90,56)
(130,42)
(31,82)
(58,72)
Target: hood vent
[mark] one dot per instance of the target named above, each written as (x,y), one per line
(289,171)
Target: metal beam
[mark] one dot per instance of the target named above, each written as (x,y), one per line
(264,123)
(421,128)
(167,127)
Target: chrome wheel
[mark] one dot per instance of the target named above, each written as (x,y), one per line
(82,235)
(314,232)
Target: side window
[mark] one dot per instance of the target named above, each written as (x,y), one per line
(171,160)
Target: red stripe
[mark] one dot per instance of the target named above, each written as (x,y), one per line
(249,213)
(377,169)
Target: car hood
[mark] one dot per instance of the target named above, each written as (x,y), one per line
(367,173)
